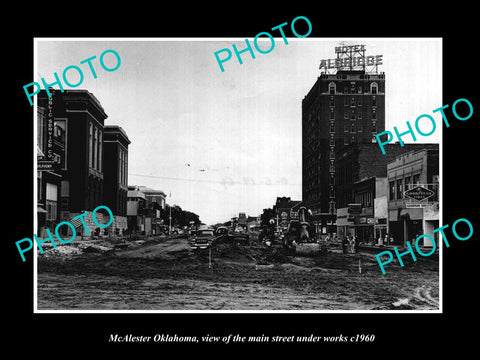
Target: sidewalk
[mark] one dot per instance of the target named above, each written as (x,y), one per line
(375,249)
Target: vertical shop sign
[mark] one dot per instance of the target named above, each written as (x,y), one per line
(49,125)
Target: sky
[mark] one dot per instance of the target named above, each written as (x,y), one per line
(218,142)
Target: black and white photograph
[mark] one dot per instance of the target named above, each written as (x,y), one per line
(276,174)
(227,181)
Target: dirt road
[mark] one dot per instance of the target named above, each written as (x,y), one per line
(164,274)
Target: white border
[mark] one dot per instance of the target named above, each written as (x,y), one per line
(35,262)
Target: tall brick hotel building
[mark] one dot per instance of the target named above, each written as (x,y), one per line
(350,186)
(342,108)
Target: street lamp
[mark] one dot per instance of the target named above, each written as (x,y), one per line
(170,221)
(170,216)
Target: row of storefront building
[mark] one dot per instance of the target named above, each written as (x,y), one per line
(351,188)
(382,199)
(82,163)
(378,196)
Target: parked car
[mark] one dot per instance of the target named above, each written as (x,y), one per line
(240,235)
(163,230)
(222,233)
(202,239)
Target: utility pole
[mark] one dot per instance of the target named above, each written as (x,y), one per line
(170,221)
(170,217)
(210,256)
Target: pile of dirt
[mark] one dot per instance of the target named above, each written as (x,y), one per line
(238,252)
(62,252)
(167,271)
(78,248)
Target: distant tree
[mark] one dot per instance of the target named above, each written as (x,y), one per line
(266,216)
(180,217)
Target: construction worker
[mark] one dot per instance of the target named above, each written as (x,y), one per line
(345,244)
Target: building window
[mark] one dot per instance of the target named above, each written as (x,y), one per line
(345,101)
(60,134)
(416,179)
(125,169)
(100,148)
(345,140)
(65,194)
(51,201)
(374,127)
(95,147)
(359,101)
(332,128)
(358,199)
(345,128)
(332,115)
(374,101)
(332,142)
(374,115)
(90,146)
(359,128)
(345,90)
(374,88)
(400,189)
(332,88)
(352,128)
(40,128)
(39,185)
(352,102)
(359,90)
(408,183)
(51,210)
(352,115)
(359,115)
(392,190)
(332,101)
(64,204)
(120,166)
(345,116)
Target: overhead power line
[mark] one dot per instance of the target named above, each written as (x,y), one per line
(225,181)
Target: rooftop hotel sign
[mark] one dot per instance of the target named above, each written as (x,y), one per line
(350,58)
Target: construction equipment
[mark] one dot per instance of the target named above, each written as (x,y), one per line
(301,236)
(267,233)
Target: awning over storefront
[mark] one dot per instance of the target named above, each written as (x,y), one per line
(40,153)
(344,218)
(412,214)
(41,210)
(364,221)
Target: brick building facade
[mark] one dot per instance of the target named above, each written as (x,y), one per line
(340,109)
(361,180)
(116,174)
(71,126)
